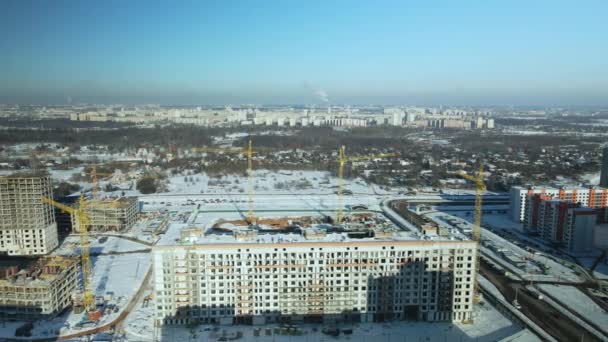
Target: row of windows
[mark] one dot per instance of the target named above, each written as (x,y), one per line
(246,254)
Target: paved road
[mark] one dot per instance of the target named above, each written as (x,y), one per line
(551,320)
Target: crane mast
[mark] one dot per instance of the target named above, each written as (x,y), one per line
(342,160)
(250,189)
(250,216)
(82,222)
(480,187)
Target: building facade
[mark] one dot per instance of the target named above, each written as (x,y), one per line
(362,281)
(39,290)
(604,172)
(591,197)
(561,222)
(27,225)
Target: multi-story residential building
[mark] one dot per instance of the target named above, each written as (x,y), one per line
(310,274)
(604,172)
(110,215)
(561,222)
(578,237)
(27,225)
(591,197)
(39,288)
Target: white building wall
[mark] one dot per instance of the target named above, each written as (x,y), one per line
(27,225)
(218,283)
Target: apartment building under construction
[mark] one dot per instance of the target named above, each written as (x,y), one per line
(27,225)
(111,215)
(35,288)
(224,273)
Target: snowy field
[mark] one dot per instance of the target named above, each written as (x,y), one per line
(261,202)
(264,182)
(65,175)
(576,300)
(489,325)
(268,182)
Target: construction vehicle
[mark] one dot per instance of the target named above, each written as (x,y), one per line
(342,160)
(480,188)
(249,153)
(82,221)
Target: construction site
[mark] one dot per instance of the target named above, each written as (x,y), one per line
(117,215)
(338,254)
(37,288)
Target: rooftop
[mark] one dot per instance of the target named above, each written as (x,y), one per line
(557,187)
(26,174)
(280,227)
(34,272)
(119,202)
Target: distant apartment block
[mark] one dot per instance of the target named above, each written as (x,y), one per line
(27,225)
(288,117)
(591,197)
(37,288)
(561,222)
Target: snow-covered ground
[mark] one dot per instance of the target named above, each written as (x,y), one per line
(592,178)
(261,202)
(264,182)
(97,245)
(576,300)
(559,271)
(65,175)
(268,182)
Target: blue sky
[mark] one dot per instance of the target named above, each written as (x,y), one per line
(408,52)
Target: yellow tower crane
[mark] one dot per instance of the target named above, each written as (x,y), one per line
(342,160)
(480,187)
(82,221)
(95,181)
(95,190)
(249,152)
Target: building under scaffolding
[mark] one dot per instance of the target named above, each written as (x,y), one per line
(301,269)
(35,288)
(111,215)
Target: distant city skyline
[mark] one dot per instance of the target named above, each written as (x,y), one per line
(271,52)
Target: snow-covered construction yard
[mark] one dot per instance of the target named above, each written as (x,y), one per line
(121,261)
(119,267)
(489,325)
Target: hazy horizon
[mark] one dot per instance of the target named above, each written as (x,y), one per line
(550,53)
